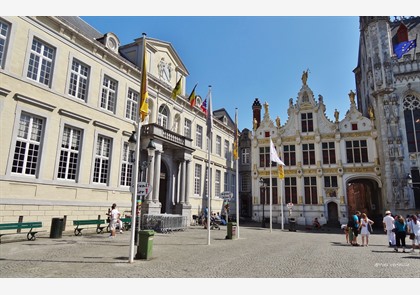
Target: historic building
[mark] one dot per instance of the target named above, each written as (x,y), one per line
(331,165)
(388,87)
(69,97)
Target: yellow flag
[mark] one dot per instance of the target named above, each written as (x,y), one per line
(177,89)
(144,95)
(281,171)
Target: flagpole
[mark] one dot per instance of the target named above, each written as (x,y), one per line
(136,160)
(271,200)
(209,133)
(281,203)
(237,172)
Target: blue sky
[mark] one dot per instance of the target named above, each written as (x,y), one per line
(248,57)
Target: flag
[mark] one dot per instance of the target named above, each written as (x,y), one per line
(177,89)
(235,144)
(209,117)
(401,48)
(281,171)
(144,95)
(191,98)
(273,154)
(204,106)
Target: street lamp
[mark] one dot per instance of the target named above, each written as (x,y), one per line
(263,185)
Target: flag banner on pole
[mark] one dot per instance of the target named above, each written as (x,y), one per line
(235,144)
(209,117)
(144,95)
(281,171)
(191,98)
(402,48)
(177,89)
(273,154)
(204,106)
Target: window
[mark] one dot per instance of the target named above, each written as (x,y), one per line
(208,145)
(68,166)
(102,160)
(109,94)
(311,195)
(356,151)
(4,37)
(199,137)
(28,145)
(245,183)
(217,179)
(411,106)
(218,145)
(330,181)
(163,116)
(233,184)
(41,62)
(227,155)
(265,191)
(197,179)
(289,155)
(290,188)
(245,156)
(206,183)
(328,153)
(265,156)
(308,150)
(126,166)
(187,128)
(307,122)
(79,76)
(131,110)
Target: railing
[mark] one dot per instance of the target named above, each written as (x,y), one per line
(164,223)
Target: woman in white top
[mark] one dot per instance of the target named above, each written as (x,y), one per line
(414,227)
(365,222)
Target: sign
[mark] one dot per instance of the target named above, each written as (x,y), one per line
(226,195)
(142,189)
(289,206)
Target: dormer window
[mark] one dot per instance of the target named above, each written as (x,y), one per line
(225,120)
(111,42)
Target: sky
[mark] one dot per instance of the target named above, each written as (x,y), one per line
(248,57)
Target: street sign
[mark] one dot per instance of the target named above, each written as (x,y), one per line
(142,189)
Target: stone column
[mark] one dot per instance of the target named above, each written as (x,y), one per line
(183,183)
(150,177)
(156,180)
(187,182)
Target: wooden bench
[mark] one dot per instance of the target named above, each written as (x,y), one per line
(126,223)
(22,225)
(97,222)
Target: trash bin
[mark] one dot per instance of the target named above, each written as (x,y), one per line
(231,231)
(56,230)
(292,224)
(145,247)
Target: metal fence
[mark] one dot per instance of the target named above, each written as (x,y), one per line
(164,223)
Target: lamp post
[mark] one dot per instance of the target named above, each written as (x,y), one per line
(136,213)
(263,185)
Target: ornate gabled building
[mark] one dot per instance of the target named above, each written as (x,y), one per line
(331,165)
(68,105)
(388,87)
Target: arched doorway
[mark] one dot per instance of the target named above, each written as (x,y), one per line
(364,195)
(332,208)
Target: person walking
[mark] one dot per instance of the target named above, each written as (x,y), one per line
(365,223)
(400,232)
(115,216)
(388,222)
(414,228)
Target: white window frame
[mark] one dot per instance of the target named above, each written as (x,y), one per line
(199,136)
(43,72)
(71,145)
(5,29)
(218,145)
(131,109)
(197,179)
(109,90)
(79,80)
(102,160)
(126,166)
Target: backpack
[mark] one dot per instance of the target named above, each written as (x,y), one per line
(351,222)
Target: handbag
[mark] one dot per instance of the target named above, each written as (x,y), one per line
(412,236)
(394,230)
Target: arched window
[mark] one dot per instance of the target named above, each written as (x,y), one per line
(163,116)
(411,106)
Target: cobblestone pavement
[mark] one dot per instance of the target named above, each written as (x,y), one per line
(258,253)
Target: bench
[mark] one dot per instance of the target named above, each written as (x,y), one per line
(97,222)
(22,225)
(126,224)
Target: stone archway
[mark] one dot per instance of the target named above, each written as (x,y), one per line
(364,195)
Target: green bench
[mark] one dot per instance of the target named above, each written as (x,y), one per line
(97,222)
(126,224)
(21,225)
